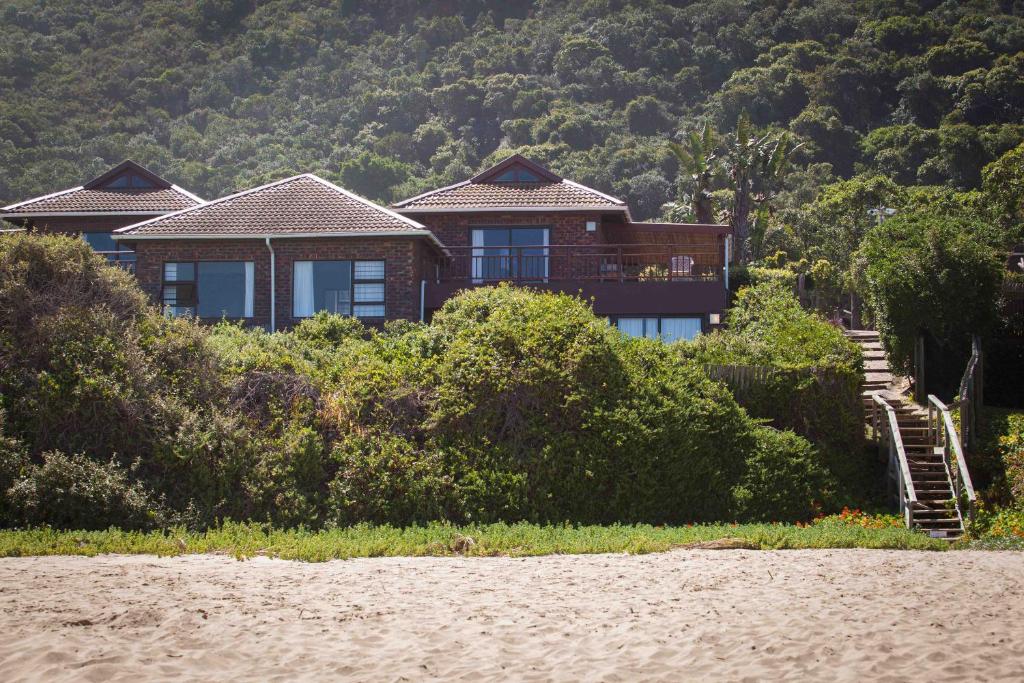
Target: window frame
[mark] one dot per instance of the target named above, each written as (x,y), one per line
(479,252)
(194,283)
(353,281)
(660,321)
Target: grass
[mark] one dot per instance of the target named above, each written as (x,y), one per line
(515,540)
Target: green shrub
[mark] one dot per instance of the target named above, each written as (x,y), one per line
(996,459)
(384,479)
(13,464)
(932,274)
(782,276)
(783,481)
(512,405)
(79,346)
(74,492)
(807,374)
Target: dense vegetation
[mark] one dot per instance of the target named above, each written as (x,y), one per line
(509,406)
(811,377)
(390,98)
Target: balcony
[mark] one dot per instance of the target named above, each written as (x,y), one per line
(621,278)
(123,259)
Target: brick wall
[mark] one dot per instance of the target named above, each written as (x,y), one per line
(454,229)
(76,224)
(401,256)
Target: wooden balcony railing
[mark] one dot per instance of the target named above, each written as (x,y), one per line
(602,262)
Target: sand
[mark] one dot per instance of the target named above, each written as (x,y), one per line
(681,615)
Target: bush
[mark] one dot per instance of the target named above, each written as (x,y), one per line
(79,346)
(74,492)
(13,463)
(936,275)
(512,405)
(783,481)
(807,374)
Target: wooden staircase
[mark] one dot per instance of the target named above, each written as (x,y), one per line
(926,467)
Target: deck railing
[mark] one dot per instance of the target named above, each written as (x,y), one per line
(123,259)
(942,433)
(886,430)
(602,262)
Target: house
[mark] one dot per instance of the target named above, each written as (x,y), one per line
(519,221)
(276,254)
(123,195)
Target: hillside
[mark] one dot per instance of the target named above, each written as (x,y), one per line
(391,98)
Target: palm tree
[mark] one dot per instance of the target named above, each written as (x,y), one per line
(756,167)
(698,162)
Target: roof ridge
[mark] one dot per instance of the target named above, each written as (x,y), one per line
(593,191)
(40,198)
(371,204)
(430,192)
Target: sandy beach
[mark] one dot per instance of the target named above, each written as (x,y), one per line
(682,615)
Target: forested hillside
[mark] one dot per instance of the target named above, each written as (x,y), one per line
(390,98)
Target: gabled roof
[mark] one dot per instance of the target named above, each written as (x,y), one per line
(99,197)
(486,192)
(301,206)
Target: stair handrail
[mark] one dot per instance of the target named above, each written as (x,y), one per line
(968,399)
(897,456)
(943,434)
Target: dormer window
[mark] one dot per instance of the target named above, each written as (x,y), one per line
(516,174)
(130,181)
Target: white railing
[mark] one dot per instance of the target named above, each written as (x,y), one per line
(942,433)
(886,431)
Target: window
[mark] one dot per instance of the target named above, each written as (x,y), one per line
(667,329)
(510,253)
(516,174)
(129,181)
(343,287)
(209,289)
(103,243)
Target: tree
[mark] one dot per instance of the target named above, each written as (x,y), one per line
(755,168)
(373,176)
(933,274)
(1003,187)
(698,164)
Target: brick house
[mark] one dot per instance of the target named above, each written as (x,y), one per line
(278,253)
(519,221)
(125,194)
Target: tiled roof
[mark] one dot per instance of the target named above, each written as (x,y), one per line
(474,195)
(486,192)
(80,199)
(101,195)
(302,205)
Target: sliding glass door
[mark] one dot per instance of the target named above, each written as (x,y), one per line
(510,254)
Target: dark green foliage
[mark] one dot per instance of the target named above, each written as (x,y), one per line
(784,478)
(390,98)
(934,274)
(809,380)
(511,405)
(74,492)
(78,346)
(997,457)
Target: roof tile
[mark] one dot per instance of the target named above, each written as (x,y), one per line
(477,195)
(107,201)
(304,204)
